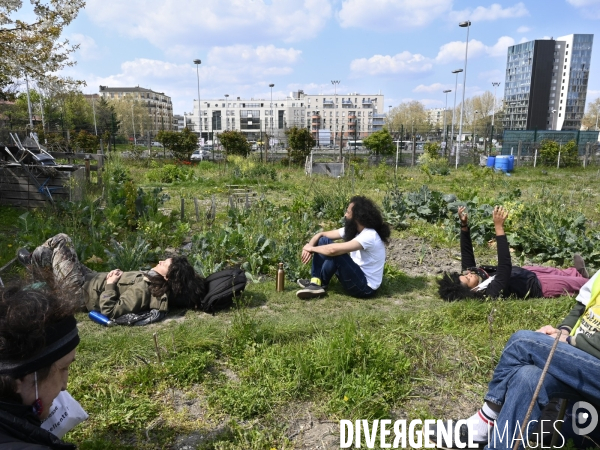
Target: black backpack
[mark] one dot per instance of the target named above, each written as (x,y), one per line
(222,287)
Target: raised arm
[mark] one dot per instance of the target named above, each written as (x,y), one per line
(504,270)
(467,257)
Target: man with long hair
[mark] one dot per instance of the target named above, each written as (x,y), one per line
(357,262)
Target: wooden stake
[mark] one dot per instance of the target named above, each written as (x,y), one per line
(156,348)
(197,212)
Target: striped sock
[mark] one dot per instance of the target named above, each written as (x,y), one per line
(482,421)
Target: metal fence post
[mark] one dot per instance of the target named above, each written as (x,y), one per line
(519,153)
(535,158)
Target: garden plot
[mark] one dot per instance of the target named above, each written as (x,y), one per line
(278,372)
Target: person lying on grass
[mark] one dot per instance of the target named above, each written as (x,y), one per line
(357,262)
(572,374)
(172,282)
(506,279)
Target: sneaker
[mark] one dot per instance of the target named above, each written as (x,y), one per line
(24,257)
(310,291)
(302,282)
(463,436)
(579,264)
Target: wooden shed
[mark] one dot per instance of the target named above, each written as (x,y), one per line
(35,186)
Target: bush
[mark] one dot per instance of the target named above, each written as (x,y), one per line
(169,173)
(569,154)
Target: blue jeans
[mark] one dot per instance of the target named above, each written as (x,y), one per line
(572,374)
(349,274)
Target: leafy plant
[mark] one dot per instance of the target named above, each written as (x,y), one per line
(127,256)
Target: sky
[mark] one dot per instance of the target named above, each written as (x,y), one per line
(403,49)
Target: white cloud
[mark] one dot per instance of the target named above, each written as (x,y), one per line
(435,87)
(246,71)
(404,62)
(494,12)
(211,22)
(501,47)
(523,29)
(88,49)
(524,39)
(244,54)
(589,8)
(455,51)
(390,15)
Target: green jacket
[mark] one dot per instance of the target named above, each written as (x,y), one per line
(131,294)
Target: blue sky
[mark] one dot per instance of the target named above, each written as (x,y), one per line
(405,49)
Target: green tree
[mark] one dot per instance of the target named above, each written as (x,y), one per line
(569,155)
(85,141)
(592,116)
(432,149)
(380,142)
(300,141)
(235,143)
(32,46)
(182,144)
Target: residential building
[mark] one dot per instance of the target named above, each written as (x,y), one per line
(435,117)
(349,115)
(546,83)
(178,122)
(160,108)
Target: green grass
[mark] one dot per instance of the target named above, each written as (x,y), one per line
(241,378)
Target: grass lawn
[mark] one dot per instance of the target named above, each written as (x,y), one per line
(278,372)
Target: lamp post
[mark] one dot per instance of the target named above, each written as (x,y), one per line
(93,110)
(271,118)
(474,122)
(335,83)
(553,118)
(456,72)
(445,111)
(466,24)
(226,118)
(495,84)
(198,62)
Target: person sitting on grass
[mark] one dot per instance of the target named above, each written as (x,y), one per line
(357,261)
(172,282)
(38,338)
(572,374)
(506,279)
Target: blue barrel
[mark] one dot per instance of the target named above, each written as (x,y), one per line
(511,163)
(502,163)
(491,161)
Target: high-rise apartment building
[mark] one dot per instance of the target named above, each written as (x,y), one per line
(346,115)
(546,83)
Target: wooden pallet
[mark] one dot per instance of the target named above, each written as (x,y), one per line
(64,183)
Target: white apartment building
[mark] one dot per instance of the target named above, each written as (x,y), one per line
(435,117)
(345,115)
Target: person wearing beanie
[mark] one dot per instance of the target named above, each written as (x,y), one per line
(38,338)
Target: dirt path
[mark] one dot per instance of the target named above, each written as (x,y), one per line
(415,257)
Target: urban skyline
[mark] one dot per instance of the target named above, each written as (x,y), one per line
(406,51)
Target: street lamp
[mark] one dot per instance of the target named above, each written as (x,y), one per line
(335,83)
(466,24)
(271,137)
(495,84)
(474,122)
(198,62)
(553,118)
(445,111)
(133,125)
(456,72)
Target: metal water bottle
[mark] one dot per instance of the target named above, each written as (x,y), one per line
(101,319)
(280,283)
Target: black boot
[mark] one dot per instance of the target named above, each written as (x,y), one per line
(579,264)
(24,257)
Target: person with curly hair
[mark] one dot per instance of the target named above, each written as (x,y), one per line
(172,282)
(38,338)
(505,279)
(357,262)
